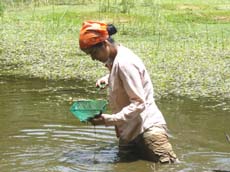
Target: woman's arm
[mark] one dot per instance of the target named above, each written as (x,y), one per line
(131,78)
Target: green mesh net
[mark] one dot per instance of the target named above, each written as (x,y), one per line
(86,109)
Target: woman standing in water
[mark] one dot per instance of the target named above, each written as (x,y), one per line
(139,124)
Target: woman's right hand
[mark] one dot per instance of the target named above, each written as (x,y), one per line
(99,120)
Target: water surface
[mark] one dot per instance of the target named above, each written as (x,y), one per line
(38,133)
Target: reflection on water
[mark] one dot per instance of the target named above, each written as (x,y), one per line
(38,133)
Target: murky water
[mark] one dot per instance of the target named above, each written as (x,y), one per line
(39,134)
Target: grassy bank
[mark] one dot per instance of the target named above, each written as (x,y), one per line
(184,44)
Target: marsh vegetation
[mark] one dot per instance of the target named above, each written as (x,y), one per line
(184,44)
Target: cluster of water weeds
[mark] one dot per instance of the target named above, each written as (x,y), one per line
(181,61)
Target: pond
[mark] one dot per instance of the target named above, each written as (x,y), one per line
(39,134)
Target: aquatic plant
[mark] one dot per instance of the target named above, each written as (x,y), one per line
(185,46)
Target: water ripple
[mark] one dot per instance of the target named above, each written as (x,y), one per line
(81,147)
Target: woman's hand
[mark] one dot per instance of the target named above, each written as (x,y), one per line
(99,120)
(102,82)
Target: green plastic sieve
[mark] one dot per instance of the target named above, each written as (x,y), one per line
(86,109)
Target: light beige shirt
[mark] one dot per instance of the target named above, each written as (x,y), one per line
(131,97)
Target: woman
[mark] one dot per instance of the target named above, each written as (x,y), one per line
(140,126)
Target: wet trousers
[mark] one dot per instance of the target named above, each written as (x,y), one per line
(152,145)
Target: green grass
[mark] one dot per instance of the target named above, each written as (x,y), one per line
(184,44)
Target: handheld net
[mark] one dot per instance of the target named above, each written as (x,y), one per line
(86,109)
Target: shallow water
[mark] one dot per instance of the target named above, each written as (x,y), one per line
(39,134)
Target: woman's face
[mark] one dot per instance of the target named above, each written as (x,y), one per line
(99,53)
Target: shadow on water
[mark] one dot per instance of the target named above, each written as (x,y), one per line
(38,133)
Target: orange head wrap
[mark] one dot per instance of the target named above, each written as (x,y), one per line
(91,33)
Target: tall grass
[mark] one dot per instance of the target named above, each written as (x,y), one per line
(184,44)
(1,9)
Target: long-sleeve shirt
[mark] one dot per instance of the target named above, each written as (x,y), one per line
(131,97)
